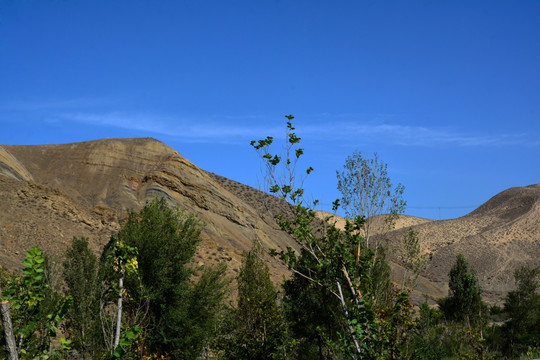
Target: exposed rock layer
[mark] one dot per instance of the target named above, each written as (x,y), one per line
(74,185)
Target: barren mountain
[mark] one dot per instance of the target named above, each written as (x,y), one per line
(496,238)
(50,193)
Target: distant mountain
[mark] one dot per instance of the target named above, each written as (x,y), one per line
(50,193)
(496,238)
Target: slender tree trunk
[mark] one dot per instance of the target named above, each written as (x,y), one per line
(8,331)
(119,315)
(351,330)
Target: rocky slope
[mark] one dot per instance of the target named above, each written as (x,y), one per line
(50,193)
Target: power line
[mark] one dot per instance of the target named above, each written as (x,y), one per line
(441,207)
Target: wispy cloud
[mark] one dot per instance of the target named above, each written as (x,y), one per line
(192,130)
(236,129)
(406,135)
(227,131)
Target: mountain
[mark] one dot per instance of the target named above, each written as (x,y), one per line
(496,238)
(50,193)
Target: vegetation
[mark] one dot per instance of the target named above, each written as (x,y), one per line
(367,192)
(367,314)
(520,334)
(174,315)
(82,282)
(464,302)
(144,298)
(37,310)
(257,328)
(412,259)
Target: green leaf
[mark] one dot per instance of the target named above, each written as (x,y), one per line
(275,160)
(66,344)
(124,342)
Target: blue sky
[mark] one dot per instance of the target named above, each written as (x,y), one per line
(447,92)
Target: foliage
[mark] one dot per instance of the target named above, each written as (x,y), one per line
(433,337)
(413,259)
(128,338)
(367,191)
(198,318)
(257,329)
(464,302)
(284,181)
(83,285)
(426,338)
(341,264)
(37,310)
(124,260)
(458,329)
(522,330)
(311,312)
(176,315)
(122,303)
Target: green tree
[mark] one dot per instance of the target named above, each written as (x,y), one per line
(124,260)
(367,191)
(36,309)
(434,338)
(258,327)
(182,314)
(464,301)
(312,313)
(425,341)
(464,308)
(337,261)
(83,285)
(522,330)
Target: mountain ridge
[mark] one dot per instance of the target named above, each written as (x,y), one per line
(85,188)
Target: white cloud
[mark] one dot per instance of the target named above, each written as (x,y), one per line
(239,129)
(192,130)
(406,135)
(197,130)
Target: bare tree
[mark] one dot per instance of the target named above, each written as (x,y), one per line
(367,192)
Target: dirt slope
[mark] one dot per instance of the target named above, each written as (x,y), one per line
(85,188)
